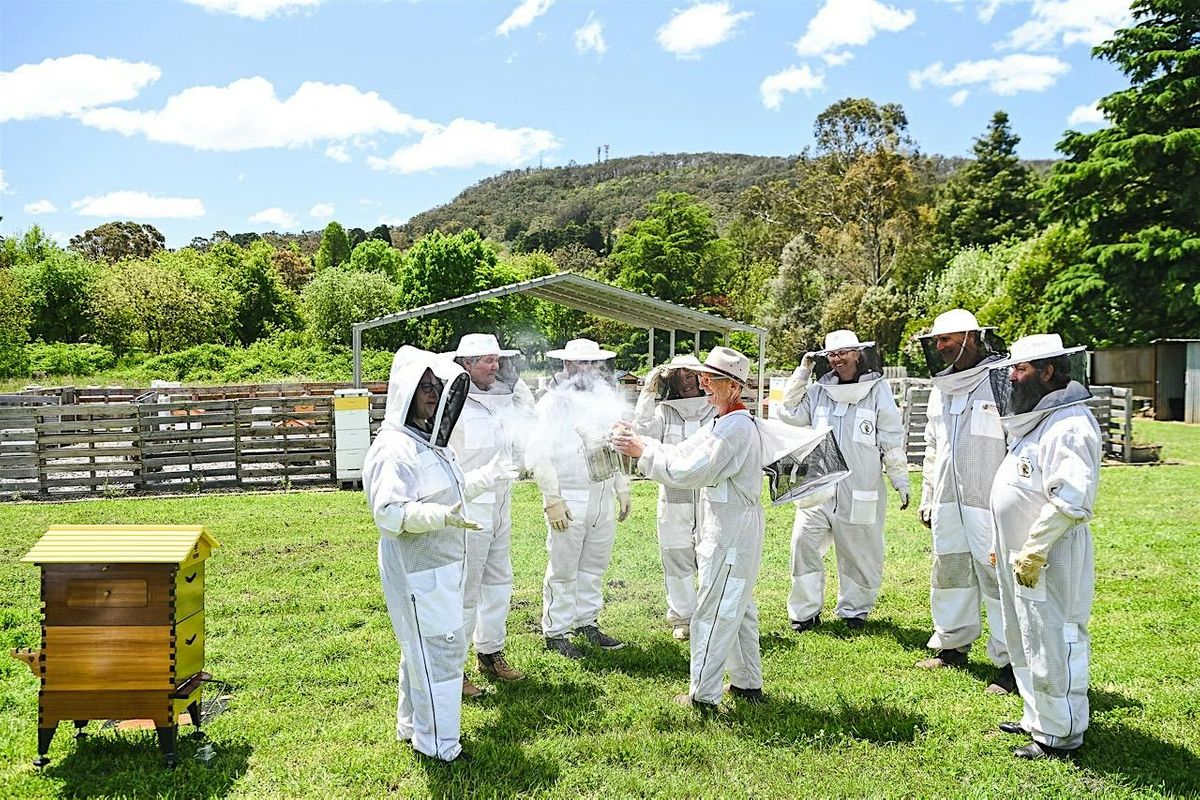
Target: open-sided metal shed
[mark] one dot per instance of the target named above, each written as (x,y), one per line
(594,297)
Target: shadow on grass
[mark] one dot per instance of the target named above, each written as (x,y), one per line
(1141,759)
(784,720)
(661,659)
(490,769)
(128,764)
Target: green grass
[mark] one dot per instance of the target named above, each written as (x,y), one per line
(297,623)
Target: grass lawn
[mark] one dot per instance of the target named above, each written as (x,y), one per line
(297,624)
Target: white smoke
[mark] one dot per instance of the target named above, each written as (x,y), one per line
(570,411)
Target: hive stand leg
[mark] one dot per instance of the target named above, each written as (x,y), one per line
(166,743)
(45,736)
(193,710)
(80,724)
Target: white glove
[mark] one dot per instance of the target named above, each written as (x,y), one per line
(557,513)
(903,491)
(455,519)
(896,466)
(499,469)
(425,517)
(797,385)
(624,503)
(926,516)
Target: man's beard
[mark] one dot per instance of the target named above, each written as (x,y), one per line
(1026,395)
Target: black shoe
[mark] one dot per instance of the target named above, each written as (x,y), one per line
(1005,681)
(945,658)
(560,645)
(705,709)
(806,625)
(1035,751)
(1013,727)
(599,638)
(856,623)
(749,695)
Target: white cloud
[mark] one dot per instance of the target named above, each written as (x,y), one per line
(274,216)
(1061,23)
(40,207)
(246,114)
(1087,115)
(590,36)
(321,211)
(3,183)
(61,238)
(842,23)
(338,153)
(255,9)
(467,143)
(959,97)
(837,59)
(1004,76)
(985,10)
(790,80)
(139,205)
(523,15)
(702,26)
(70,84)
(392,221)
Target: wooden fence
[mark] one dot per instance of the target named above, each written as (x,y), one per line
(115,448)
(1111,405)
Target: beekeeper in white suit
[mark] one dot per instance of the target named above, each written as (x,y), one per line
(416,493)
(1042,500)
(851,397)
(964,445)
(724,461)
(670,408)
(490,417)
(581,514)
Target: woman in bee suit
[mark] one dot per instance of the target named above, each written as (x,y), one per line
(851,397)
(964,445)
(1042,500)
(671,408)
(416,494)
(490,418)
(580,520)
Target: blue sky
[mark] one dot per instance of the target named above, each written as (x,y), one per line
(256,115)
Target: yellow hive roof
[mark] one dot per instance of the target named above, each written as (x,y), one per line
(119,544)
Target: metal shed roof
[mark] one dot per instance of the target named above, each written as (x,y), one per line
(592,296)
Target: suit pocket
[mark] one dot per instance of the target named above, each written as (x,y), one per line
(863,505)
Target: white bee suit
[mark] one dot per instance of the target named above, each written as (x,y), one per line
(485,428)
(964,445)
(724,461)
(572,594)
(412,484)
(671,422)
(1042,499)
(867,428)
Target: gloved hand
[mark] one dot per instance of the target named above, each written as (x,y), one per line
(926,517)
(797,385)
(485,478)
(557,513)
(1028,568)
(896,466)
(624,503)
(655,381)
(502,468)
(455,519)
(903,492)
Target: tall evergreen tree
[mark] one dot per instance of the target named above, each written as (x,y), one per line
(1134,187)
(335,247)
(991,199)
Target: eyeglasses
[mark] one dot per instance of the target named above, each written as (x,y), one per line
(429,388)
(841,353)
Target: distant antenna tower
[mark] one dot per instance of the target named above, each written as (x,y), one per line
(597,155)
(606,152)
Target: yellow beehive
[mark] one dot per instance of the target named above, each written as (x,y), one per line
(122,626)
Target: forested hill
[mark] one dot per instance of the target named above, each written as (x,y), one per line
(607,194)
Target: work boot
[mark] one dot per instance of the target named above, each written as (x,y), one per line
(560,645)
(493,664)
(749,695)
(944,658)
(681,633)
(800,626)
(1035,751)
(599,638)
(1005,681)
(470,689)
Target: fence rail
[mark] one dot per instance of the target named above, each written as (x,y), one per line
(115,448)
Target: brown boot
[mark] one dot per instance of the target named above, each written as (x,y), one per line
(495,665)
(470,689)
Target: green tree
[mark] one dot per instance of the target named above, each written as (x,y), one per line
(991,199)
(382,233)
(338,298)
(295,269)
(14,326)
(440,267)
(58,287)
(1134,188)
(335,247)
(375,255)
(114,241)
(264,304)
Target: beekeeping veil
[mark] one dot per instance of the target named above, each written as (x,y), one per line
(408,369)
(1068,381)
(981,347)
(799,462)
(845,344)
